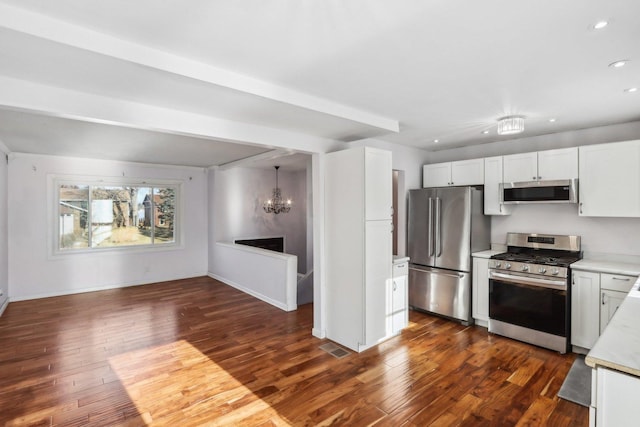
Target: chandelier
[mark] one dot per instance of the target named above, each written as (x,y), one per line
(510,125)
(275,204)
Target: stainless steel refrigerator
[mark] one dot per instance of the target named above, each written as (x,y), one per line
(446,225)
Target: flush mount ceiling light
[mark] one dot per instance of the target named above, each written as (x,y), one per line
(552,120)
(275,204)
(484,132)
(510,125)
(631,90)
(618,64)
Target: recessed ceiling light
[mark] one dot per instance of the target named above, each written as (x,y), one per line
(631,89)
(619,64)
(600,25)
(436,140)
(552,120)
(485,132)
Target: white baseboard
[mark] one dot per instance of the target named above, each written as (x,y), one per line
(275,303)
(318,333)
(4,306)
(100,288)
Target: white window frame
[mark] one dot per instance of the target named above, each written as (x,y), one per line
(53,212)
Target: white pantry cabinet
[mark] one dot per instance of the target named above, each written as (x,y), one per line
(492,186)
(358,250)
(480,291)
(609,182)
(546,165)
(463,172)
(585,308)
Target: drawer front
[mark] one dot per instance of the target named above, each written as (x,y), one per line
(616,282)
(401,269)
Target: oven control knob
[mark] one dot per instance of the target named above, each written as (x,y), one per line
(542,270)
(507,266)
(498,264)
(555,271)
(524,268)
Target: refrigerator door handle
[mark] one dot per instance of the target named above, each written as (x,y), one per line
(430,219)
(438,227)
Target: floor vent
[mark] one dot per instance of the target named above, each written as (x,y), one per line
(334,350)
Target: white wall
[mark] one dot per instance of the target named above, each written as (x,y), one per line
(236,210)
(4,247)
(34,272)
(267,275)
(404,158)
(617,236)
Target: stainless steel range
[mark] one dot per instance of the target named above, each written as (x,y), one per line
(529,292)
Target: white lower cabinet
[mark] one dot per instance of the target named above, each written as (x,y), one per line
(613,290)
(480,291)
(616,397)
(399,298)
(585,308)
(595,297)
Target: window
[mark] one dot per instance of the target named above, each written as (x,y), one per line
(107,216)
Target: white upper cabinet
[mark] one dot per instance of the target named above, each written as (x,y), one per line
(542,165)
(558,164)
(520,167)
(463,172)
(610,179)
(436,175)
(379,181)
(492,179)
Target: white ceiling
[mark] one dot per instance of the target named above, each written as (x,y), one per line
(404,72)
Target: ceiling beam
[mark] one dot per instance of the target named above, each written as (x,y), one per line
(268,155)
(48,28)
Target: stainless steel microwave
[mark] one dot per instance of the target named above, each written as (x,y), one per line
(560,191)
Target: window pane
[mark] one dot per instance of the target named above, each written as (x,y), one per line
(116,218)
(164,200)
(73,224)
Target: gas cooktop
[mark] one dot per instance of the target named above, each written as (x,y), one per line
(561,260)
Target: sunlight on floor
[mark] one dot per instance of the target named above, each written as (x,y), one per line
(179,375)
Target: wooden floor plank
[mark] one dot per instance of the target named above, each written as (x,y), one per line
(197,352)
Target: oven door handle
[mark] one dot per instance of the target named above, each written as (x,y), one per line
(532,281)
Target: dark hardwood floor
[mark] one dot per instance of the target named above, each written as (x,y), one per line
(197,352)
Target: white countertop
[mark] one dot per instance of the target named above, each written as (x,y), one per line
(486,254)
(612,267)
(397,259)
(619,345)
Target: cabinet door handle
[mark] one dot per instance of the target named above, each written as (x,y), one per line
(539,177)
(603,297)
(395,286)
(580,207)
(621,278)
(534,178)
